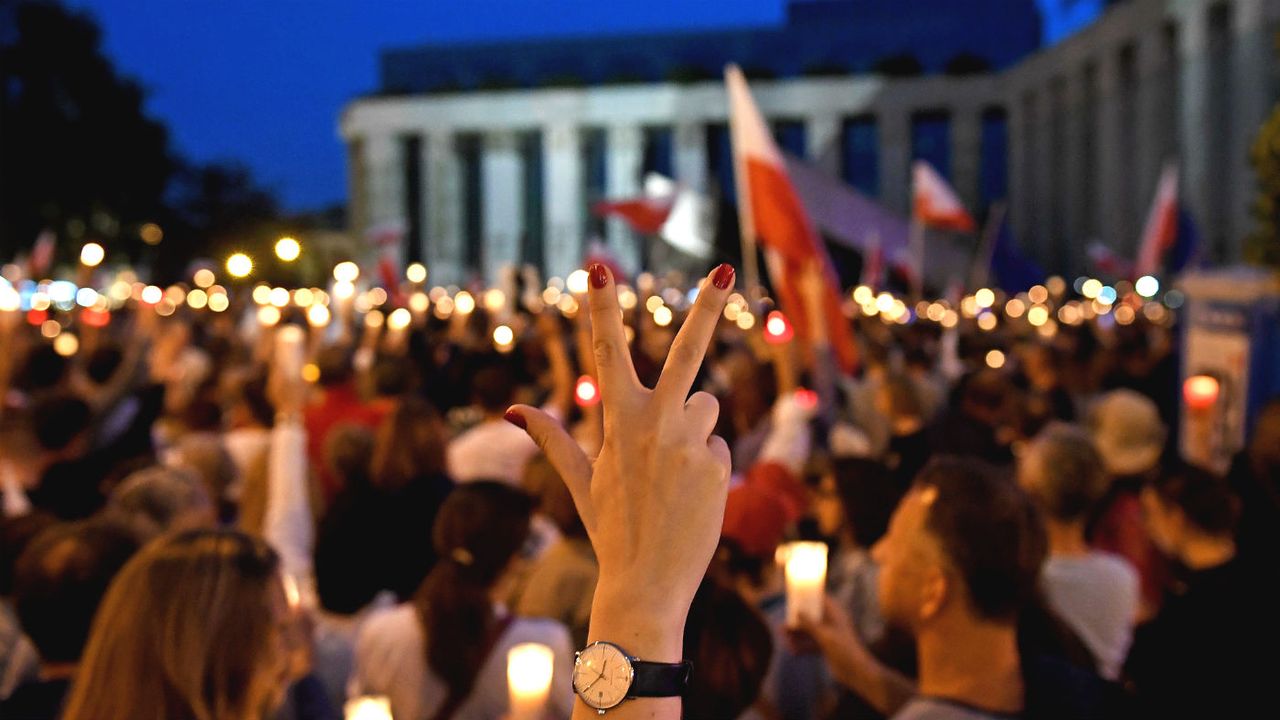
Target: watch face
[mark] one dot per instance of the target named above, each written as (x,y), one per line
(602,675)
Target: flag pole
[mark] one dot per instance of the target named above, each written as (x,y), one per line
(981,272)
(917,256)
(746,221)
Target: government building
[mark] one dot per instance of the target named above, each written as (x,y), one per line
(481,156)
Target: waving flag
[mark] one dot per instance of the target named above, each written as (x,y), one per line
(873,262)
(934,203)
(771,211)
(1161,231)
(644,214)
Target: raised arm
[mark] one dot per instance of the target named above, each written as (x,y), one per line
(653,500)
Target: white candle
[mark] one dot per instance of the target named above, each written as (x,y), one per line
(806,570)
(367,708)
(290,351)
(529,668)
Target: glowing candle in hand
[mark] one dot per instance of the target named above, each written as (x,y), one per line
(367,708)
(806,572)
(529,667)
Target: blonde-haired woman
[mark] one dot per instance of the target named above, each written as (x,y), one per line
(195,627)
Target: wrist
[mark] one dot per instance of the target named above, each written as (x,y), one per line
(646,627)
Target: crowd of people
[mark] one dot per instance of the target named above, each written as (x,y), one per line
(195,529)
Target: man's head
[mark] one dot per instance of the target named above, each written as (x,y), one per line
(59,422)
(965,542)
(1063,472)
(60,579)
(493,389)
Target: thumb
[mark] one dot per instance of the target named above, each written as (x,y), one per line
(562,451)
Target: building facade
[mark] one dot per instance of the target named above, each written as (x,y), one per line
(482,173)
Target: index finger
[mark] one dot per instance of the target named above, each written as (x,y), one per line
(690,346)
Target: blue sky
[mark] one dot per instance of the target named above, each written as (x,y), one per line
(263,80)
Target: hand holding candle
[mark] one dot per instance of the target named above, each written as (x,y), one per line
(529,670)
(367,708)
(806,571)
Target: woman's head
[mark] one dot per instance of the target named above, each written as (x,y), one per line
(410,444)
(192,627)
(480,529)
(857,497)
(730,647)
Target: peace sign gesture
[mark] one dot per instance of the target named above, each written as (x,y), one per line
(653,500)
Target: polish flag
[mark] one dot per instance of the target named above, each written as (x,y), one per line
(771,211)
(644,214)
(1161,231)
(935,204)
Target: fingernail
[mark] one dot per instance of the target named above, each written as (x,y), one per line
(515,418)
(599,275)
(723,276)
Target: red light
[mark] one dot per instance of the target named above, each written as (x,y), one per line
(806,399)
(777,329)
(1200,392)
(587,393)
(95,318)
(37,317)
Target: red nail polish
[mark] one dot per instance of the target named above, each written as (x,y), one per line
(599,275)
(723,276)
(516,419)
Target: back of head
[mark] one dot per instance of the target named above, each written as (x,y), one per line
(57,420)
(868,493)
(1128,432)
(349,452)
(1063,472)
(493,388)
(41,370)
(989,532)
(392,376)
(103,362)
(553,497)
(61,578)
(16,533)
(730,647)
(334,363)
(480,528)
(903,398)
(410,444)
(1205,499)
(984,394)
(188,630)
(161,499)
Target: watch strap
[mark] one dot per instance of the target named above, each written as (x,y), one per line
(658,680)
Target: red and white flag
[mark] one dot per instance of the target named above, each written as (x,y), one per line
(1161,231)
(774,214)
(934,203)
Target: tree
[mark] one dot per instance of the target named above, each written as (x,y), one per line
(77,153)
(966,63)
(1263,246)
(902,65)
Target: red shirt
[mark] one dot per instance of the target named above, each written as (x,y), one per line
(341,405)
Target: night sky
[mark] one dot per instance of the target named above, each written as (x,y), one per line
(263,81)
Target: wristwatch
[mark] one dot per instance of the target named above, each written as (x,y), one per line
(604,676)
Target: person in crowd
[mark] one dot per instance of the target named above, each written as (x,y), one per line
(1047,399)
(247,435)
(1094,592)
(976,425)
(853,505)
(1255,478)
(908,447)
(1200,656)
(160,499)
(69,487)
(336,402)
(444,654)
(196,625)
(729,643)
(59,582)
(19,661)
(560,584)
(1130,437)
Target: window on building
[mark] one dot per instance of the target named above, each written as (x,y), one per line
(411,155)
(790,136)
(931,140)
(860,154)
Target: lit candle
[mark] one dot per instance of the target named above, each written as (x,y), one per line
(291,351)
(367,708)
(529,667)
(1200,392)
(806,571)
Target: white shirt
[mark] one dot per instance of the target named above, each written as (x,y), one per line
(391,661)
(492,450)
(1096,595)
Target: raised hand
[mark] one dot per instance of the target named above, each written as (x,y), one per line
(653,500)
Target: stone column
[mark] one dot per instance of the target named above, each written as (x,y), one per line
(1154,123)
(624,159)
(502,191)
(822,133)
(1076,183)
(1017,164)
(893,126)
(966,155)
(691,155)
(384,173)
(1253,95)
(562,180)
(442,230)
(1194,137)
